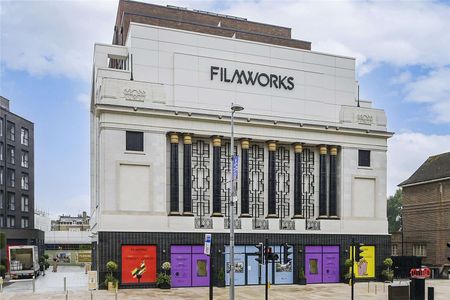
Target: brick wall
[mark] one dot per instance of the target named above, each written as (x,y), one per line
(144,13)
(426,215)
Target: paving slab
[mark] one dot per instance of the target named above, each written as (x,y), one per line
(50,287)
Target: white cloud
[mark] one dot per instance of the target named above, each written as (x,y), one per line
(84,99)
(50,37)
(407,151)
(54,37)
(401,78)
(433,90)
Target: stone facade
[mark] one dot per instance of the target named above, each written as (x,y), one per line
(299,139)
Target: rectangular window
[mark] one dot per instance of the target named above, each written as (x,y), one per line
(24,200)
(419,250)
(24,182)
(1,127)
(24,136)
(1,200)
(24,160)
(10,221)
(1,175)
(11,155)
(11,201)
(24,222)
(364,158)
(394,250)
(11,131)
(11,178)
(1,151)
(134,141)
(1,220)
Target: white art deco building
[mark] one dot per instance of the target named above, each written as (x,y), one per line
(312,157)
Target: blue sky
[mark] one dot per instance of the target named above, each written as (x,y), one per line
(403,64)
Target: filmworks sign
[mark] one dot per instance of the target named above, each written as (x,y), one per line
(252,78)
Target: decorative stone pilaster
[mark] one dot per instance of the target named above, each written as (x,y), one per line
(187,175)
(332,198)
(174,175)
(298,149)
(217,143)
(271,201)
(323,182)
(245,144)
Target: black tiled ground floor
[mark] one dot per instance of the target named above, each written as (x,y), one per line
(109,247)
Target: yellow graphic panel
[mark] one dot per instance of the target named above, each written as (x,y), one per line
(365,268)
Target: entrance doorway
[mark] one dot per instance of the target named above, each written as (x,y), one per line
(190,267)
(322,264)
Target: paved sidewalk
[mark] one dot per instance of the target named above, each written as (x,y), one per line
(51,287)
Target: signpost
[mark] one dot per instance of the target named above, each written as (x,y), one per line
(207,251)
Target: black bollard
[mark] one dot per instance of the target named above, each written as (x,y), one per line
(430,293)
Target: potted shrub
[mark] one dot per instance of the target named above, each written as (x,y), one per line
(221,278)
(348,265)
(301,277)
(388,273)
(163,280)
(110,279)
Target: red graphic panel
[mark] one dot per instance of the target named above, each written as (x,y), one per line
(138,264)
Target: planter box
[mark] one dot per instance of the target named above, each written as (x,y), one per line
(302,281)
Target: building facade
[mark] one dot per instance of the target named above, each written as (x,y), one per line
(71,223)
(312,156)
(17,179)
(426,214)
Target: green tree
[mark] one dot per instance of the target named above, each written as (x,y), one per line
(394,211)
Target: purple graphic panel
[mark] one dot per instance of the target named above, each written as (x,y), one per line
(180,249)
(181,269)
(200,270)
(330,267)
(313,267)
(330,249)
(313,249)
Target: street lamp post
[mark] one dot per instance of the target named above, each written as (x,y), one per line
(234,108)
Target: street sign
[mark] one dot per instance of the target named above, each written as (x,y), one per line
(207,247)
(235,167)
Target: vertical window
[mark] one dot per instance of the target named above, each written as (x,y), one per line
(11,201)
(394,251)
(1,200)
(134,141)
(10,221)
(1,175)
(24,160)
(24,222)
(1,127)
(24,181)
(364,158)
(24,136)
(419,250)
(11,178)
(11,131)
(1,151)
(1,220)
(11,154)
(24,203)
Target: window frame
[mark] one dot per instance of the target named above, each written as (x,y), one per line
(25,162)
(420,249)
(11,130)
(25,203)
(360,160)
(24,136)
(134,145)
(11,205)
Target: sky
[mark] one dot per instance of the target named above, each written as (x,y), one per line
(402,51)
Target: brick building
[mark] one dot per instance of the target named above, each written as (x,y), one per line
(426,212)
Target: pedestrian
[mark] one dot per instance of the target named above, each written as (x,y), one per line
(55,264)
